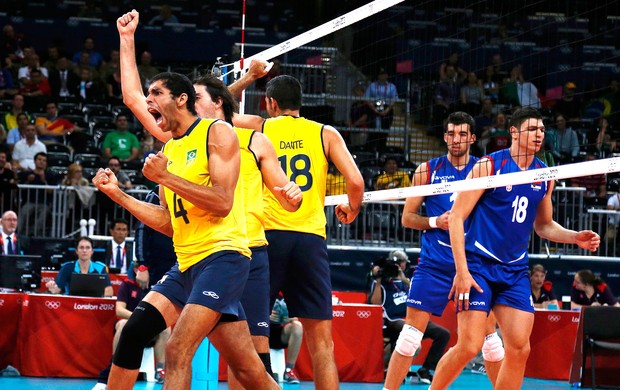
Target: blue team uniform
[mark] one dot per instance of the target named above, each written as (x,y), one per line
(497,239)
(432,280)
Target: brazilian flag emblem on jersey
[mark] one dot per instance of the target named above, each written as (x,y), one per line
(191,156)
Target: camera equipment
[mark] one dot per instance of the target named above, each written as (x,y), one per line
(380,105)
(388,267)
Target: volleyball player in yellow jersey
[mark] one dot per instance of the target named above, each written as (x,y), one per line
(298,261)
(203,210)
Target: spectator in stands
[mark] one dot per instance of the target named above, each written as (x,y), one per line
(484,122)
(542,291)
(7,85)
(8,120)
(121,142)
(595,185)
(527,93)
(64,81)
(95,59)
(285,332)
(389,289)
(119,252)
(12,43)
(490,87)
(130,293)
(113,88)
(570,104)
(12,242)
(110,66)
(19,132)
(603,138)
(83,265)
(52,128)
(392,177)
(38,86)
(380,95)
(88,89)
(459,76)
(590,290)
(53,53)
(359,116)
(26,150)
(446,99)
(165,16)
(146,70)
(565,141)
(471,95)
(82,194)
(500,73)
(8,183)
(114,163)
(31,62)
(498,135)
(36,202)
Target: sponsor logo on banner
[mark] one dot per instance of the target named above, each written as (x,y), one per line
(338,313)
(85,306)
(363,313)
(53,305)
(576,319)
(553,318)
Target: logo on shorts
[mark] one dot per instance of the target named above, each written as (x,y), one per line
(211,294)
(263,324)
(191,156)
(414,302)
(477,303)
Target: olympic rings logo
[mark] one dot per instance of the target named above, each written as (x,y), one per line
(52,304)
(211,294)
(263,324)
(363,313)
(553,318)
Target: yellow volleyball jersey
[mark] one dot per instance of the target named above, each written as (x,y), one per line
(299,146)
(197,233)
(252,189)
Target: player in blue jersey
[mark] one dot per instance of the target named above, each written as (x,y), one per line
(491,259)
(432,280)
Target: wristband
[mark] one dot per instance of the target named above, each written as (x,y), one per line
(432,221)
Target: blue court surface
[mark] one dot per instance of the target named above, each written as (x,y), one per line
(464,381)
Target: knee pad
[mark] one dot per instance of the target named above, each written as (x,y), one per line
(408,341)
(145,323)
(493,348)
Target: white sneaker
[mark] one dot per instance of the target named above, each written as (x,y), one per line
(100,386)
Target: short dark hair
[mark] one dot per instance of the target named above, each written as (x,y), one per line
(286,90)
(117,221)
(460,118)
(218,91)
(40,154)
(523,114)
(84,238)
(178,84)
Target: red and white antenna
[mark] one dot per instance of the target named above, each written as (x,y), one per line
(242,100)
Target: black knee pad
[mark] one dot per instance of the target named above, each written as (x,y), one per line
(145,323)
(266,359)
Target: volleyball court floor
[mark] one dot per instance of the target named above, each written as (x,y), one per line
(465,381)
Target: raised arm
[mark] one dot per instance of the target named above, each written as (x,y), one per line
(216,199)
(287,192)
(258,69)
(133,95)
(337,152)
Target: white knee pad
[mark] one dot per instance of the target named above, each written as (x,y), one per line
(408,341)
(493,348)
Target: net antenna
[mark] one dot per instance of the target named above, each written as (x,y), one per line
(241,66)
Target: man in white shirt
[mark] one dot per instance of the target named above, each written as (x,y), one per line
(26,148)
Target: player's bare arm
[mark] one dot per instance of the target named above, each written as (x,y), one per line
(411,213)
(224,162)
(287,192)
(337,152)
(257,69)
(155,216)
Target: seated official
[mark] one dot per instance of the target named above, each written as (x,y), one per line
(392,177)
(130,293)
(285,332)
(542,290)
(84,264)
(389,289)
(590,290)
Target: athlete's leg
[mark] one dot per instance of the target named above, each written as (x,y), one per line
(492,367)
(292,334)
(471,335)
(516,326)
(124,378)
(321,347)
(118,328)
(399,363)
(233,341)
(261,345)
(440,337)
